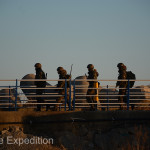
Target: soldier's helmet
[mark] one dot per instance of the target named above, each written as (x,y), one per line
(120,65)
(90,66)
(38,65)
(60,68)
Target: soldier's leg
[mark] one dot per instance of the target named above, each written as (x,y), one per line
(93,106)
(38,105)
(125,96)
(47,105)
(39,99)
(120,98)
(68,102)
(89,98)
(95,100)
(58,100)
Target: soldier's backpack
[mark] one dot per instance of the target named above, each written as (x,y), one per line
(131,76)
(44,76)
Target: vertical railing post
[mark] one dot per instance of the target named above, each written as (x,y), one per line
(9,98)
(128,94)
(107,99)
(16,95)
(70,96)
(65,93)
(74,94)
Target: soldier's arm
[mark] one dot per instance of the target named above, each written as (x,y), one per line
(95,74)
(118,82)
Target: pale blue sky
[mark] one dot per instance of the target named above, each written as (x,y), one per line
(64,32)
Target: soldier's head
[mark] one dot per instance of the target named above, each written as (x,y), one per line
(60,69)
(121,66)
(38,66)
(90,67)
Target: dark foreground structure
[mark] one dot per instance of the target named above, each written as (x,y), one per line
(79,130)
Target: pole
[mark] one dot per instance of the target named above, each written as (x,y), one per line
(74,94)
(9,98)
(70,96)
(16,95)
(128,95)
(107,99)
(65,93)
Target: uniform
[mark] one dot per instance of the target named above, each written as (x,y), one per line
(61,84)
(122,84)
(92,74)
(39,84)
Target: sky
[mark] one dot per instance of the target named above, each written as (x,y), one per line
(79,32)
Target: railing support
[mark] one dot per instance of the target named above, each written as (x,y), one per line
(70,96)
(107,100)
(74,94)
(128,95)
(16,95)
(65,93)
(9,98)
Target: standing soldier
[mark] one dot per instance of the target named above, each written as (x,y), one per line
(92,74)
(61,84)
(122,84)
(39,84)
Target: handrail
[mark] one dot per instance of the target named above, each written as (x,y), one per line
(133,97)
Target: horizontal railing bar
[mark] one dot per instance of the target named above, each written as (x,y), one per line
(52,104)
(100,95)
(36,100)
(44,95)
(43,88)
(73,80)
(7,96)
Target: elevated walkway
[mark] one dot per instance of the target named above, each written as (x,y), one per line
(28,116)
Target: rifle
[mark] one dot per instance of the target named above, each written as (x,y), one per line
(71,70)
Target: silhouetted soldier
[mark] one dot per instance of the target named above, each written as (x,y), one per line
(122,84)
(61,84)
(39,84)
(92,74)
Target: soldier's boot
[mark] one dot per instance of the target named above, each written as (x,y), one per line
(38,105)
(69,105)
(47,107)
(89,99)
(132,106)
(92,106)
(38,109)
(56,107)
(125,99)
(95,105)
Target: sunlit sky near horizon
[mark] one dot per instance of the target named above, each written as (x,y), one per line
(64,32)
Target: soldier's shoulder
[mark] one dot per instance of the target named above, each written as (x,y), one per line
(68,76)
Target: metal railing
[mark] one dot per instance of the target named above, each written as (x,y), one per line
(15,96)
